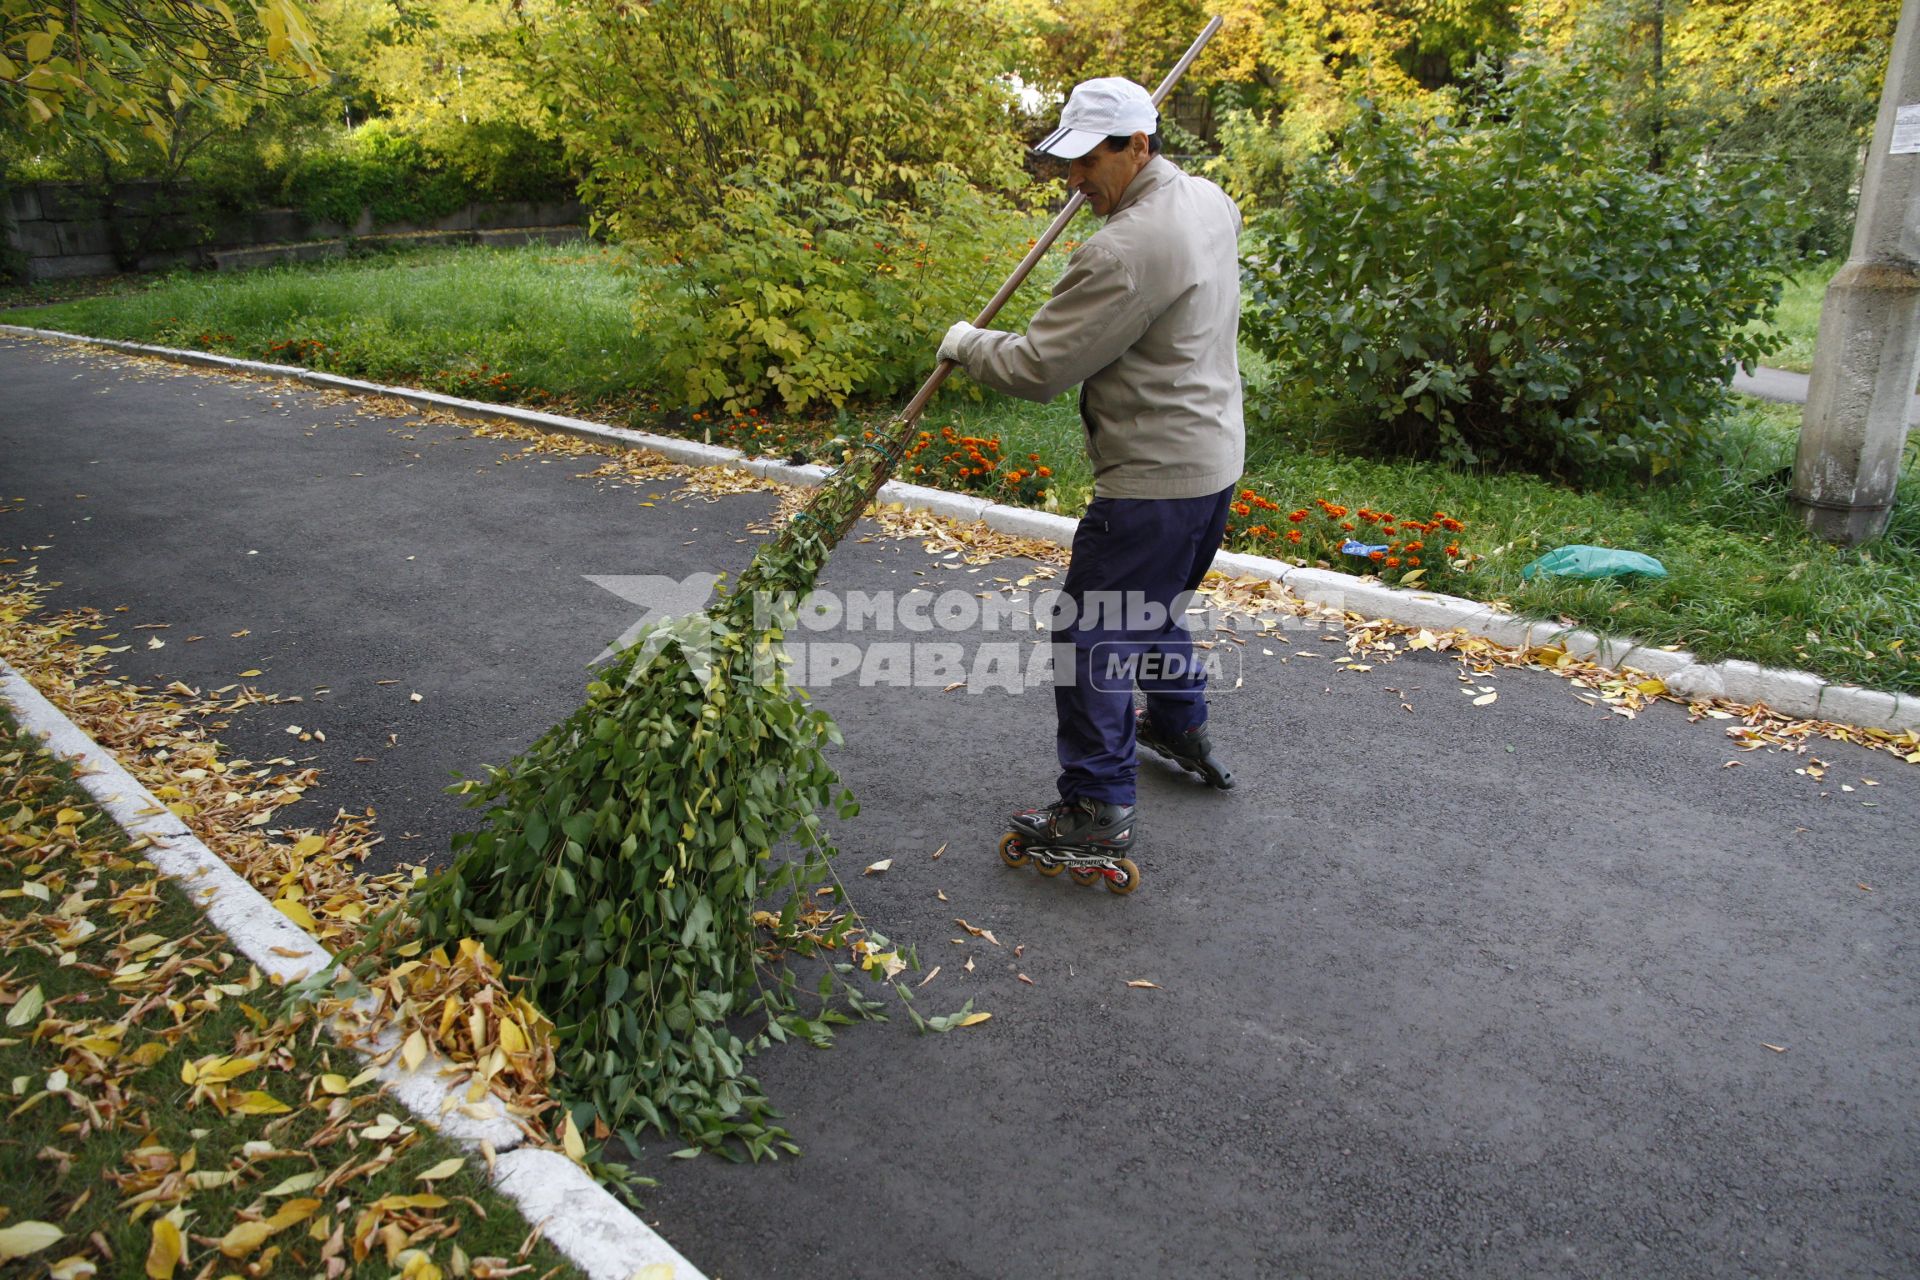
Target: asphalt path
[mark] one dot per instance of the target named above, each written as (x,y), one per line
(1456,991)
(1788,387)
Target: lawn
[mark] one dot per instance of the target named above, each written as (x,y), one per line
(1798,318)
(546,325)
(165,1116)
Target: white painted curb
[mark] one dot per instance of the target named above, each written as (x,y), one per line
(599,1234)
(1788,693)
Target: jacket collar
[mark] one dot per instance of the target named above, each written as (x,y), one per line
(1156,173)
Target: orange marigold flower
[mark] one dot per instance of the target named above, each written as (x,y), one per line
(1416,546)
(1393,562)
(1413,559)
(1298,516)
(1347,525)
(1241,509)
(1453,548)
(1043,471)
(1376,555)
(1293,535)
(1033,457)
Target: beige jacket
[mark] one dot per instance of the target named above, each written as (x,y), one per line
(1147,319)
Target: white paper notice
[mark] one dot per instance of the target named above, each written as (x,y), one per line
(1906,130)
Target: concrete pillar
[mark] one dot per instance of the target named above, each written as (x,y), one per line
(1868,351)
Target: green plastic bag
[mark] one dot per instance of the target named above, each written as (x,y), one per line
(1594,562)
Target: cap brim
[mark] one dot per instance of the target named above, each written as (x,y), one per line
(1069,144)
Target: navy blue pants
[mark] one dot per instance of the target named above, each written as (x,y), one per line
(1130,556)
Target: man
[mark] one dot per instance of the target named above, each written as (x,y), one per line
(1146,319)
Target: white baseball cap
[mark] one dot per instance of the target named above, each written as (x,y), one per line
(1110,107)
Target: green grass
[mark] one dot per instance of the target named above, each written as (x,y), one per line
(1745,582)
(529,323)
(53,1170)
(1798,317)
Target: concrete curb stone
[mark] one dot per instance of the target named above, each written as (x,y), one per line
(583,1220)
(595,1231)
(1791,693)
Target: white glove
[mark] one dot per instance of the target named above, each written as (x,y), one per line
(950,345)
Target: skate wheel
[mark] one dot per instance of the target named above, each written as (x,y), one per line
(1125,878)
(1047,866)
(1012,851)
(1084,876)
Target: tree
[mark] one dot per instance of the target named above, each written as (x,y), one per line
(107,66)
(1718,79)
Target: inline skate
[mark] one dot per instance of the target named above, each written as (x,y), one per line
(1190,750)
(1088,839)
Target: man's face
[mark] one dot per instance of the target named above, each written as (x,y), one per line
(1103,174)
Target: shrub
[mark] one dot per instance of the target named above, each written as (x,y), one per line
(816,294)
(375,167)
(1516,288)
(808,176)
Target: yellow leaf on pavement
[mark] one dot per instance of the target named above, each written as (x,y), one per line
(296,912)
(334,1084)
(257,1102)
(164,1253)
(414,1051)
(69,817)
(1142,982)
(570,1139)
(445,1169)
(974,1019)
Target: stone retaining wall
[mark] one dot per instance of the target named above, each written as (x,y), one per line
(60,231)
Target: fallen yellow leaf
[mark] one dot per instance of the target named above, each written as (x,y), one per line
(23,1238)
(974,1019)
(27,1008)
(1142,982)
(297,912)
(163,1255)
(248,1236)
(512,1039)
(414,1051)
